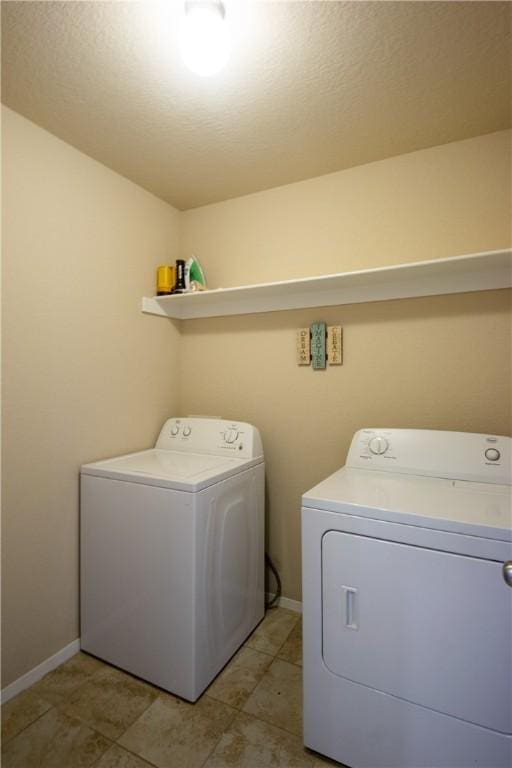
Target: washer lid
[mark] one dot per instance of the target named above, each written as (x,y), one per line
(475,509)
(169,469)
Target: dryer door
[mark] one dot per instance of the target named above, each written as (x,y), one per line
(434,628)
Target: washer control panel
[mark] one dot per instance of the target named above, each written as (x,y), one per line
(454,455)
(211,436)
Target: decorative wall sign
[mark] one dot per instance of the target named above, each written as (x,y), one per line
(318,333)
(303,347)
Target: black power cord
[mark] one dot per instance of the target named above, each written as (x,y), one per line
(271,566)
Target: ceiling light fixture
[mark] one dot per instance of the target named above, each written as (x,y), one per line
(204,37)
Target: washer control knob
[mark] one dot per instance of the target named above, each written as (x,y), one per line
(230,435)
(186,431)
(378,445)
(492,454)
(174,430)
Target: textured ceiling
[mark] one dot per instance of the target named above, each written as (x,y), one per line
(311,87)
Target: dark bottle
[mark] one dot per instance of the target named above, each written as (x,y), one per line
(180,276)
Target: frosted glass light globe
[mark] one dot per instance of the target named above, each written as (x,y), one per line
(204,39)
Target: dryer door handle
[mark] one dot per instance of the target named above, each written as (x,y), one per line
(350,607)
(507,572)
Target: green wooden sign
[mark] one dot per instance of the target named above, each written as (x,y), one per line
(318,345)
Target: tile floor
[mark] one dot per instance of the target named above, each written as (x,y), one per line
(86,713)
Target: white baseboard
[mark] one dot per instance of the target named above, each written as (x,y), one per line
(31,677)
(286,602)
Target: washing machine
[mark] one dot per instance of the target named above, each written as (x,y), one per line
(407,600)
(172,553)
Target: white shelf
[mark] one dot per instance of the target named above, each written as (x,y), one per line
(460,274)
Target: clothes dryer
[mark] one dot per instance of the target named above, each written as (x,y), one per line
(407,600)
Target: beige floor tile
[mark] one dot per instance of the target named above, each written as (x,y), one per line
(292,648)
(277,699)
(54,741)
(175,734)
(20,712)
(110,701)
(67,678)
(117,757)
(250,743)
(237,681)
(270,635)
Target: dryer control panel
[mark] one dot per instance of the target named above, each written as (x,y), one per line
(433,453)
(218,437)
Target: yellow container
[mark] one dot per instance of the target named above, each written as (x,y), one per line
(165,280)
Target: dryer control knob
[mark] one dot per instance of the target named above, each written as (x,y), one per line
(186,431)
(378,445)
(174,430)
(492,454)
(230,436)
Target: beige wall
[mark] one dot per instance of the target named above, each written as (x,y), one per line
(85,374)
(435,203)
(435,363)
(441,362)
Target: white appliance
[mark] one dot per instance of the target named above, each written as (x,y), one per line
(172,553)
(407,600)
